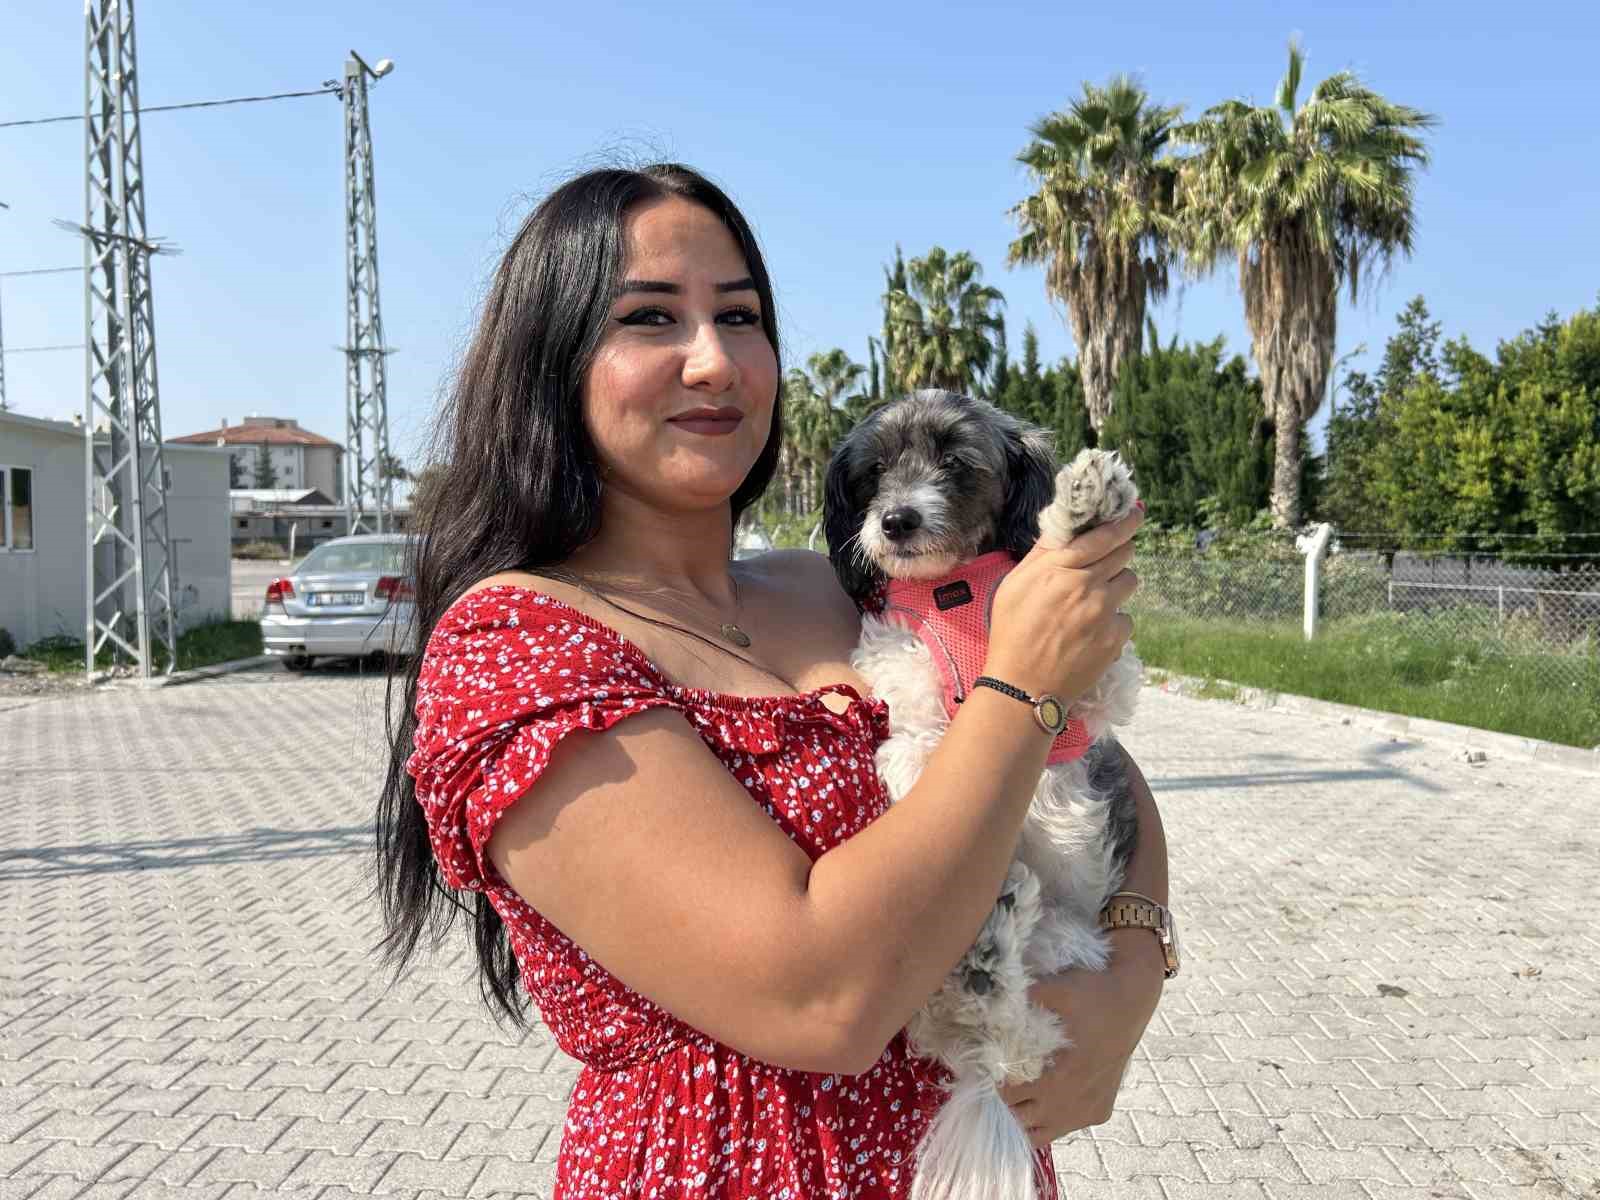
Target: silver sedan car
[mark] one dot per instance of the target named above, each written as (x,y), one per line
(349,596)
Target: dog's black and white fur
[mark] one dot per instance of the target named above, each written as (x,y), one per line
(919,487)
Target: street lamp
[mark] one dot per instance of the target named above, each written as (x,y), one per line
(385,65)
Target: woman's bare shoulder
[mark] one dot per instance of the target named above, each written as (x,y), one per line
(568,594)
(807,576)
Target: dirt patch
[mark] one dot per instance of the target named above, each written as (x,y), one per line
(41,684)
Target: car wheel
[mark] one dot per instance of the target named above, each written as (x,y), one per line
(297,662)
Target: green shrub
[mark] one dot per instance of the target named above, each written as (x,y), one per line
(59,652)
(8,644)
(215,641)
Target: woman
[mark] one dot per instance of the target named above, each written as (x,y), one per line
(733,975)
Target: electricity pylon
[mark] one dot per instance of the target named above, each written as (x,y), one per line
(367,484)
(125,481)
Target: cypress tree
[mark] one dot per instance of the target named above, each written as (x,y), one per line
(266,476)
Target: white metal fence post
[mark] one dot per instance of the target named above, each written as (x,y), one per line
(1313,545)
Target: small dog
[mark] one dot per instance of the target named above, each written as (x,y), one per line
(933,497)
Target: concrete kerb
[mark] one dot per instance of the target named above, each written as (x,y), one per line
(1475,744)
(215,669)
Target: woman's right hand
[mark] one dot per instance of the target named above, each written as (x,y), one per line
(1056,625)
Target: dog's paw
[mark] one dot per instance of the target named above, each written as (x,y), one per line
(993,962)
(1094,488)
(971,1023)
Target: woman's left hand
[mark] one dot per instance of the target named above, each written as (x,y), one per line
(1104,1014)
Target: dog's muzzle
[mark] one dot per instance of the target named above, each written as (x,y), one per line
(900,523)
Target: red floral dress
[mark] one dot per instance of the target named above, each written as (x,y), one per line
(660,1110)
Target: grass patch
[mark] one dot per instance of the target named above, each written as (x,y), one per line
(202,646)
(1216,689)
(262,550)
(1393,662)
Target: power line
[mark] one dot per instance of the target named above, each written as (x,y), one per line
(1460,537)
(42,271)
(40,349)
(322,91)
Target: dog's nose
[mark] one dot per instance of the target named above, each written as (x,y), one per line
(901,522)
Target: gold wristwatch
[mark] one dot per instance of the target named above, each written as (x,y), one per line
(1130,910)
(1048,712)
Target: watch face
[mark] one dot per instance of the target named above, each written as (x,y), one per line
(1052,714)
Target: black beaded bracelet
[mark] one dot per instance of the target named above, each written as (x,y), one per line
(1004,688)
(1048,712)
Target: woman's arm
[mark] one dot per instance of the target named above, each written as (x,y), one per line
(646,851)
(1104,1012)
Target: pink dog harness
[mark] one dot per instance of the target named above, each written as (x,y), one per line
(951,616)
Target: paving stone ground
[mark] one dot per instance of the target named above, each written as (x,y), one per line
(1391,986)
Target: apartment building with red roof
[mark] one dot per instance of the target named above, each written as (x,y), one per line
(299,458)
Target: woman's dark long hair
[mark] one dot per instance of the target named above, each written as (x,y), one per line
(520,490)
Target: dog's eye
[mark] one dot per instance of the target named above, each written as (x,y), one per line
(878,468)
(950,462)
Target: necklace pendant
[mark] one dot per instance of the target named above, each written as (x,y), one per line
(734,634)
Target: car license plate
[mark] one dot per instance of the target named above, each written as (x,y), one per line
(328,599)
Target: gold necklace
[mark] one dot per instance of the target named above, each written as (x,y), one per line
(728,629)
(579,582)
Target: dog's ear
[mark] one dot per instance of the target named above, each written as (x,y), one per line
(1030,485)
(841,525)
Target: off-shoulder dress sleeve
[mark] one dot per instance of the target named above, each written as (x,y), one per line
(506,676)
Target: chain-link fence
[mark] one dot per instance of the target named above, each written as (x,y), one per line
(1541,608)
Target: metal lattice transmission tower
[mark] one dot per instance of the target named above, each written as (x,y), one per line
(368,488)
(3,204)
(2,364)
(129,559)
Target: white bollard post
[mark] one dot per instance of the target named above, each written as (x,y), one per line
(1313,545)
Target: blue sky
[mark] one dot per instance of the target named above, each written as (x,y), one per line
(841,132)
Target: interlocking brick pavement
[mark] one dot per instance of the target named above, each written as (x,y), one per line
(1391,988)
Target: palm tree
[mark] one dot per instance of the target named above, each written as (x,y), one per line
(1101,222)
(894,280)
(944,323)
(1307,198)
(816,409)
(832,375)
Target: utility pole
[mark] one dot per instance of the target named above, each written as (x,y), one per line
(3,204)
(367,486)
(125,482)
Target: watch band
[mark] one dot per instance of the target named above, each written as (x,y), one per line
(1004,688)
(1131,910)
(1048,712)
(1134,910)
